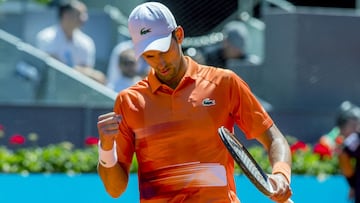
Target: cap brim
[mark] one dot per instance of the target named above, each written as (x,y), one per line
(161,43)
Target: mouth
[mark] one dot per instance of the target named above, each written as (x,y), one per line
(164,71)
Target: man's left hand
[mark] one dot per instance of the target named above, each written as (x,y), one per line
(281,187)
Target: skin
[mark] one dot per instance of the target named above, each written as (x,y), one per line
(351,126)
(170,68)
(108,129)
(279,151)
(72,20)
(128,64)
(231,51)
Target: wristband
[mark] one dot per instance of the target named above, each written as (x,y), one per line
(283,168)
(108,158)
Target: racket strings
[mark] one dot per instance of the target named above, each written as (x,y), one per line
(249,166)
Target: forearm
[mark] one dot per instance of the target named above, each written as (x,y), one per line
(280,158)
(115,179)
(276,145)
(278,150)
(113,174)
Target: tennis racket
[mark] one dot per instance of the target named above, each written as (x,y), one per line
(246,162)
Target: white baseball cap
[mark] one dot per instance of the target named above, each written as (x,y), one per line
(151,25)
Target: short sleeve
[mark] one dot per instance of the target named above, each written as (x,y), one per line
(247,111)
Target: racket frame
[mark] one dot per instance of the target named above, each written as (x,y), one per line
(264,184)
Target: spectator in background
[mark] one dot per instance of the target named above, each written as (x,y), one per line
(229,53)
(233,47)
(349,126)
(114,72)
(332,141)
(67,43)
(343,141)
(123,70)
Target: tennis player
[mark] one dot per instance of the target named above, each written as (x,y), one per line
(170,120)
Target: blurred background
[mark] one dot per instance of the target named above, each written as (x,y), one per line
(308,62)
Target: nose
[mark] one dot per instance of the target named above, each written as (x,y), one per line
(162,62)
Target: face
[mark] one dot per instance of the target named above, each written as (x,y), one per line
(168,66)
(78,16)
(127,63)
(230,50)
(351,126)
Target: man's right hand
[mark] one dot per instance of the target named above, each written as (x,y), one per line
(108,128)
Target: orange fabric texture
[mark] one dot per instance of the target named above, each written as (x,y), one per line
(174,133)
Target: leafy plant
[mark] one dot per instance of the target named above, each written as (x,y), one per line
(64,158)
(57,158)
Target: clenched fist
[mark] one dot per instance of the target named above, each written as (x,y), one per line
(108,128)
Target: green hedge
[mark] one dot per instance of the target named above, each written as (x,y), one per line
(64,158)
(57,158)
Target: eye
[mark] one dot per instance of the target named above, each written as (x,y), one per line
(147,56)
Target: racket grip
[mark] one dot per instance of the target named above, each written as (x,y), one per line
(289,201)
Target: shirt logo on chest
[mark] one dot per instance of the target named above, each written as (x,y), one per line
(208,102)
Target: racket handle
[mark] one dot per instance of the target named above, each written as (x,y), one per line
(289,201)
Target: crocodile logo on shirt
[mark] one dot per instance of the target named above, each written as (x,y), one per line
(208,102)
(144,31)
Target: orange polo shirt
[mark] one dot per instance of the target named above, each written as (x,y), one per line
(174,133)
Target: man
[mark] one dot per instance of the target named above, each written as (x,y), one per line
(348,123)
(67,43)
(127,68)
(333,140)
(170,120)
(233,48)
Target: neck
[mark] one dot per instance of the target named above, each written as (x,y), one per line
(67,30)
(182,70)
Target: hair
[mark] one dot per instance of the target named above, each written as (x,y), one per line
(346,112)
(173,34)
(124,59)
(236,33)
(65,6)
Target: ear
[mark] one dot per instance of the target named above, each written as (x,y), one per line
(179,34)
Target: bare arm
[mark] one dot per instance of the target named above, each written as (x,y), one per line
(280,158)
(276,146)
(114,178)
(92,73)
